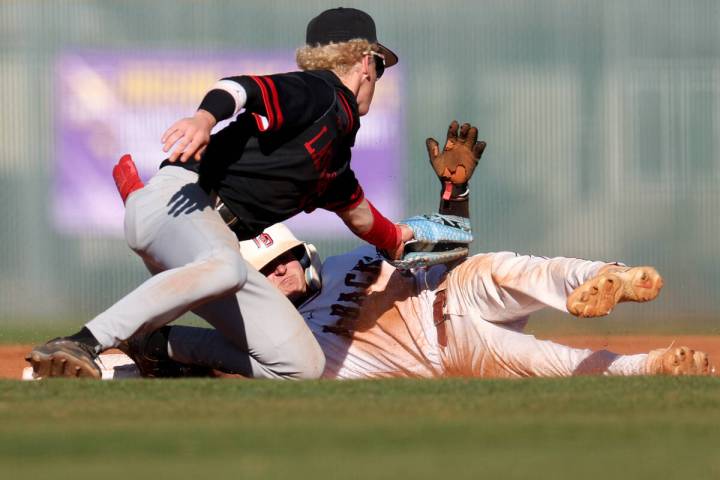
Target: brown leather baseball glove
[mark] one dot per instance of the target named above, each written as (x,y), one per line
(456,164)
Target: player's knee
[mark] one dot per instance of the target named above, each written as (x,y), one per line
(313,365)
(304,363)
(229,270)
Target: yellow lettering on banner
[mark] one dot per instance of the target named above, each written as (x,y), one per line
(152,85)
(181,82)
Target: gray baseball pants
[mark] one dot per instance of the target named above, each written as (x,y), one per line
(196,264)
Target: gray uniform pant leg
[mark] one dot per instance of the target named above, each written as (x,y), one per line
(299,357)
(258,333)
(172,225)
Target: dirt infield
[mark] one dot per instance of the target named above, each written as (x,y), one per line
(12,360)
(12,356)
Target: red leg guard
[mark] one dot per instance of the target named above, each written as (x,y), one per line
(126,176)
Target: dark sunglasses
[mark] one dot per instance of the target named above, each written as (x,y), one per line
(379,64)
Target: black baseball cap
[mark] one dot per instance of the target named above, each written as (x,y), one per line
(344,24)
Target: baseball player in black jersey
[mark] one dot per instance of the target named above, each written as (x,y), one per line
(288,150)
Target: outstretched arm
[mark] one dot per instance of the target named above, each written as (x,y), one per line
(455,165)
(370,225)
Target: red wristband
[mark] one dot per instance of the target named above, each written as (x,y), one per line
(384,234)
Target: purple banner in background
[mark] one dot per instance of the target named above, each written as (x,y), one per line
(110,103)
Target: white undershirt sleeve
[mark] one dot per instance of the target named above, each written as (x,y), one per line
(235,90)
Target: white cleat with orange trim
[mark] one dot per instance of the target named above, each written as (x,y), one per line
(614,284)
(677,361)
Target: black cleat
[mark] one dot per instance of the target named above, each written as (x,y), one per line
(62,357)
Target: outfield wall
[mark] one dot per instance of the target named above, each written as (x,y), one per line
(602,121)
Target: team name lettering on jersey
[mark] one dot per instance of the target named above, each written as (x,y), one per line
(321,155)
(360,278)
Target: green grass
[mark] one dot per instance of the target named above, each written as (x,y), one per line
(544,323)
(35,330)
(16,332)
(626,320)
(587,428)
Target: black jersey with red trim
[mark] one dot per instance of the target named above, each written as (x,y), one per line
(288,152)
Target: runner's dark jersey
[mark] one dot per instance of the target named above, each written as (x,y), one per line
(288,152)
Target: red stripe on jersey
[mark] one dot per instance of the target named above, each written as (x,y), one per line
(259,122)
(348,111)
(266,102)
(276,102)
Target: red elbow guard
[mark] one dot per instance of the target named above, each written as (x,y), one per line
(126,177)
(384,234)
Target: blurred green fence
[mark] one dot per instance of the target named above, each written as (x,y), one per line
(602,120)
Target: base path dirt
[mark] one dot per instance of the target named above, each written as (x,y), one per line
(628,344)
(12,360)
(12,357)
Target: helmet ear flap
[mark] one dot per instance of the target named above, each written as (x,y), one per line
(302,255)
(312,269)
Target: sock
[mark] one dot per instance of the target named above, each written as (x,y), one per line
(86,337)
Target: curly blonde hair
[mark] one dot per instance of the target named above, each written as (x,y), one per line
(338,57)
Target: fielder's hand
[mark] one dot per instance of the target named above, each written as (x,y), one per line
(406,235)
(436,239)
(189,135)
(456,163)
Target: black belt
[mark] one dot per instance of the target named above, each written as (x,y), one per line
(439,317)
(228,217)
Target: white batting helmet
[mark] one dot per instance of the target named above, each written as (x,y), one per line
(276,240)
